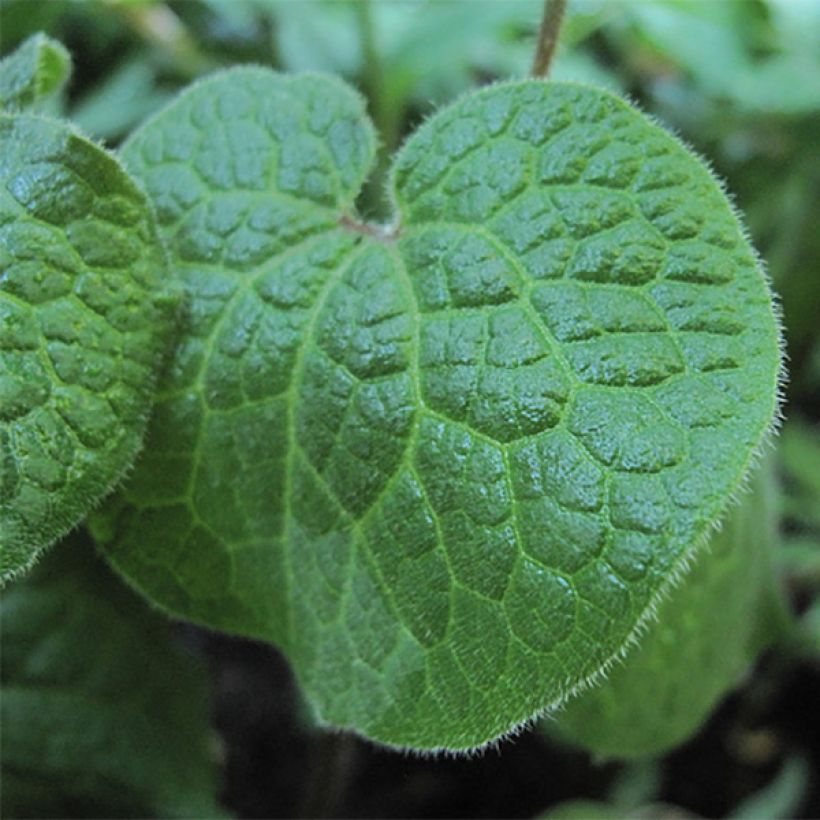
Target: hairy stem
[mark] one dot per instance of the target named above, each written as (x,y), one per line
(551,19)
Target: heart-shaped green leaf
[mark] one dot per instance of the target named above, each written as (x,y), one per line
(450,465)
(83,326)
(706,635)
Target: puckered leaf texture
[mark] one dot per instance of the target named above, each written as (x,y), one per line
(102,716)
(84,322)
(448,465)
(707,634)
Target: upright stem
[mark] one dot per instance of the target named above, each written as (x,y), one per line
(551,19)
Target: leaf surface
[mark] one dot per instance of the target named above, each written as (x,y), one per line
(708,632)
(101,715)
(38,69)
(84,322)
(447,465)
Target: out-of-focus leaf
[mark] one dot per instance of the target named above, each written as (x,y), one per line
(800,445)
(582,810)
(697,37)
(799,555)
(780,798)
(717,45)
(800,463)
(598,810)
(33,73)
(799,558)
(576,65)
(814,367)
(20,19)
(431,50)
(101,714)
(637,784)
(121,101)
(787,84)
(796,22)
(314,35)
(233,20)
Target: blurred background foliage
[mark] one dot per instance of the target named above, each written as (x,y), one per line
(739,80)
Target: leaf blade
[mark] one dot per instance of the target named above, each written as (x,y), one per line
(483,494)
(707,634)
(85,322)
(78,735)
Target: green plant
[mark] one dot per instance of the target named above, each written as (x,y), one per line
(450,465)
(84,310)
(101,715)
(654,701)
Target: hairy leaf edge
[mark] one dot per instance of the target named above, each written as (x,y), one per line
(171,299)
(390,232)
(765,437)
